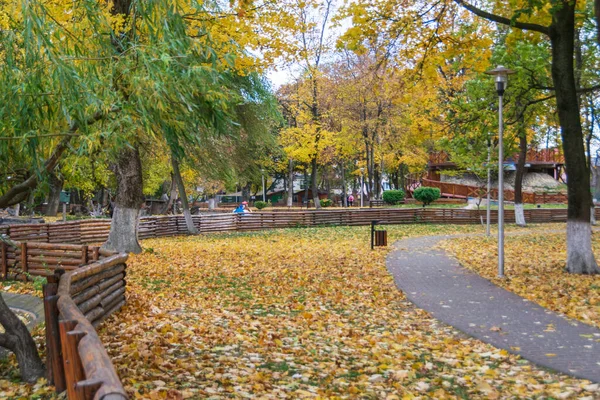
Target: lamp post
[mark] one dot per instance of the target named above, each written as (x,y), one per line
(501,75)
(262,174)
(362,170)
(489,188)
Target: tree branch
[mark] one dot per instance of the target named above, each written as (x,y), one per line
(6,342)
(38,136)
(15,194)
(503,20)
(579,90)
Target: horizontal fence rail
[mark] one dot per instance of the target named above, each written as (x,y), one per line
(85,232)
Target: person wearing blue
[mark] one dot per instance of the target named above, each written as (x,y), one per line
(242,208)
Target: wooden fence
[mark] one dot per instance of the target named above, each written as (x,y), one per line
(464,191)
(96,231)
(85,285)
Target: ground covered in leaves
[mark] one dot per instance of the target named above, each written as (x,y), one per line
(299,313)
(303,313)
(535,269)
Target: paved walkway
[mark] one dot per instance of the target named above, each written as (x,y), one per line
(30,304)
(438,284)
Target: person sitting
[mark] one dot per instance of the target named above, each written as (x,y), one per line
(246,208)
(239,209)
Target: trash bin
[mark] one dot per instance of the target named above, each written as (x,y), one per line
(378,236)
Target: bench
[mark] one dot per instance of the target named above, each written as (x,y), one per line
(376,203)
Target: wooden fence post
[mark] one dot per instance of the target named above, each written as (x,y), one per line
(54,363)
(87,389)
(3,260)
(24,256)
(84,254)
(95,253)
(69,340)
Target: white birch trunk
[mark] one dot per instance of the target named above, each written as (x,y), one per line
(580,257)
(123,231)
(520,215)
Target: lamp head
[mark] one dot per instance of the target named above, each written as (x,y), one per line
(501,73)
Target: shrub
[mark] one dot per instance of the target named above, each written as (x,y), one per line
(426,195)
(326,202)
(393,196)
(260,204)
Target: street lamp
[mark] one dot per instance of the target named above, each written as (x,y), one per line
(362,170)
(501,75)
(489,187)
(262,174)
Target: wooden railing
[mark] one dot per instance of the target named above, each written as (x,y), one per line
(544,155)
(85,286)
(43,259)
(464,191)
(95,231)
(533,155)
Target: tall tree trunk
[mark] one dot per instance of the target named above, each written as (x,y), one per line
(290,182)
(596,182)
(327,179)
(381,165)
(18,340)
(597,14)
(246,192)
(189,222)
(371,171)
(366,178)
(580,258)
(56,185)
(314,188)
(125,220)
(172,197)
(519,212)
(306,184)
(344,191)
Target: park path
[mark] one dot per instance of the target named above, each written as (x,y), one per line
(438,284)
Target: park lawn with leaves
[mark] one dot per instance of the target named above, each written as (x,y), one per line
(299,313)
(535,269)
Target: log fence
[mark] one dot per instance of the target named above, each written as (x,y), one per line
(71,252)
(85,285)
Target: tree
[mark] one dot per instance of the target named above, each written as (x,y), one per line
(17,339)
(561,31)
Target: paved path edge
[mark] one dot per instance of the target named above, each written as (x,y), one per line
(437,283)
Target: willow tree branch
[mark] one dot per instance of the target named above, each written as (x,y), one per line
(15,194)
(38,136)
